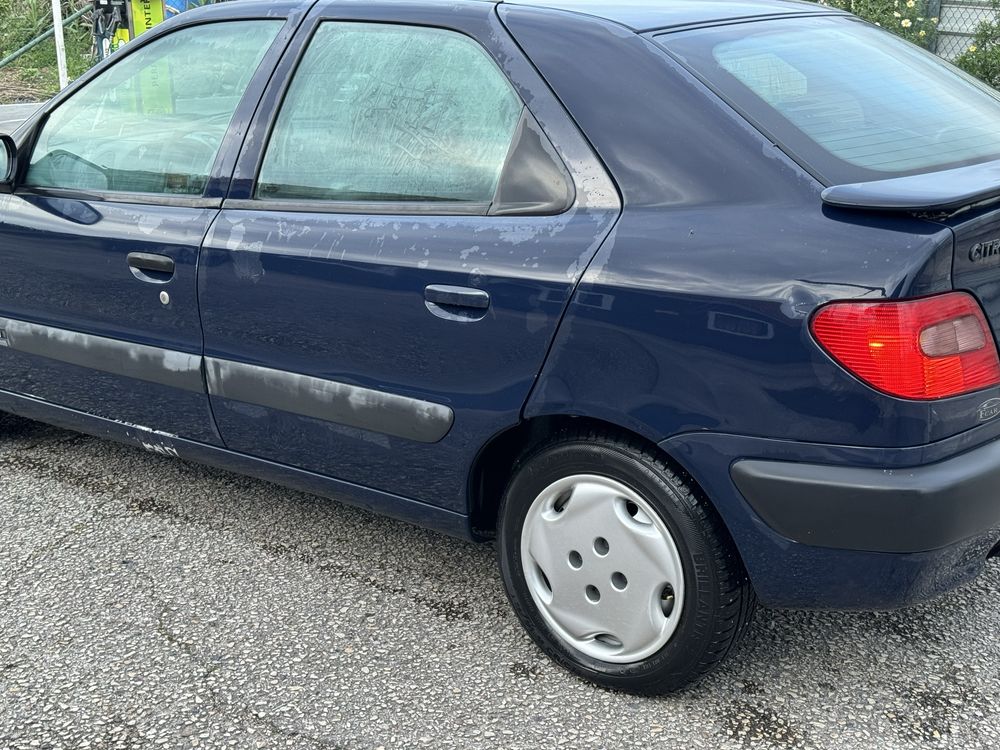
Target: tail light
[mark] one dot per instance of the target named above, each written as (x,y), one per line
(927,348)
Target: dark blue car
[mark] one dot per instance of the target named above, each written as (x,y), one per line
(684,303)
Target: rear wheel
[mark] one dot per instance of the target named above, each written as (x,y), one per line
(616,568)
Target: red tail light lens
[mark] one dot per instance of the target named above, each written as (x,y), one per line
(926,348)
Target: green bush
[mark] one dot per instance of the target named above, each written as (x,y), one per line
(35,76)
(982,58)
(909,19)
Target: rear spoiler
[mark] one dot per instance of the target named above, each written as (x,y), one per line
(936,192)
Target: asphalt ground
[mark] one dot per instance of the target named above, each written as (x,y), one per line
(12,115)
(149,602)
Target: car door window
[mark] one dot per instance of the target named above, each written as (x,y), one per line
(391,113)
(154,122)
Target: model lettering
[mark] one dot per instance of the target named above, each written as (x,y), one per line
(984,250)
(989,409)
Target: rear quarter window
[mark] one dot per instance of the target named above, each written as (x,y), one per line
(850,101)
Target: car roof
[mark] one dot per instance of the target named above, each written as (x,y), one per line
(646,15)
(638,15)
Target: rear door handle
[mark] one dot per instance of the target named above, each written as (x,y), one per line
(459,304)
(457,296)
(151,267)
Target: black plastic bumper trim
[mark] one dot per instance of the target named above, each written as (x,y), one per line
(877,510)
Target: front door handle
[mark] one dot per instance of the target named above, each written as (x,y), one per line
(156,269)
(460,304)
(457,296)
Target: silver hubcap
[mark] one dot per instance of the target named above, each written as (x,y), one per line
(602,568)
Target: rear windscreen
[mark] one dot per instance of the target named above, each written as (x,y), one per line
(849,101)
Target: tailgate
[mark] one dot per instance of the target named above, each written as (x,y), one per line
(967,200)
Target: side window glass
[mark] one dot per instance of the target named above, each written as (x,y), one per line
(154,122)
(388,113)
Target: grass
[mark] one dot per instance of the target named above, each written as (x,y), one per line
(34,76)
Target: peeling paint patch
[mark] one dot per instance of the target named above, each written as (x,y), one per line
(246,256)
(162,450)
(149,223)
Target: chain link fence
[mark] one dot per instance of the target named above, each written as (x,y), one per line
(958,22)
(966,32)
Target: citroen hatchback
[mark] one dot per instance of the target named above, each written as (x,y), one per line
(684,303)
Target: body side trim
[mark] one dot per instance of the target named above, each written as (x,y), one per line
(150,363)
(329,400)
(401,208)
(112,196)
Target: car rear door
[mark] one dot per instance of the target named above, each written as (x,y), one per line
(400,242)
(99,242)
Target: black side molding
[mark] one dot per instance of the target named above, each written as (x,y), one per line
(875,510)
(153,364)
(329,400)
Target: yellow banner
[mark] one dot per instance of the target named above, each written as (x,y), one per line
(146,14)
(155,92)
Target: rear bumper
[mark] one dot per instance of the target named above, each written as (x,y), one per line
(836,527)
(916,509)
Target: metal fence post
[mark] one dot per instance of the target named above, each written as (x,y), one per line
(57,24)
(934,11)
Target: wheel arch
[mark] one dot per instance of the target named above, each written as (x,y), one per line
(497,459)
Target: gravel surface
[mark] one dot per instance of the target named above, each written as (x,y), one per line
(148,602)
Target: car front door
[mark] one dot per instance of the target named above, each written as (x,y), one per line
(101,232)
(399,244)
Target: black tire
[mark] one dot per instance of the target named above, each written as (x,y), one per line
(719,601)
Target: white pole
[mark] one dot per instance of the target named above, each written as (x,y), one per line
(57,19)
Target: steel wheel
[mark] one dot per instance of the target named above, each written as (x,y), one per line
(602,568)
